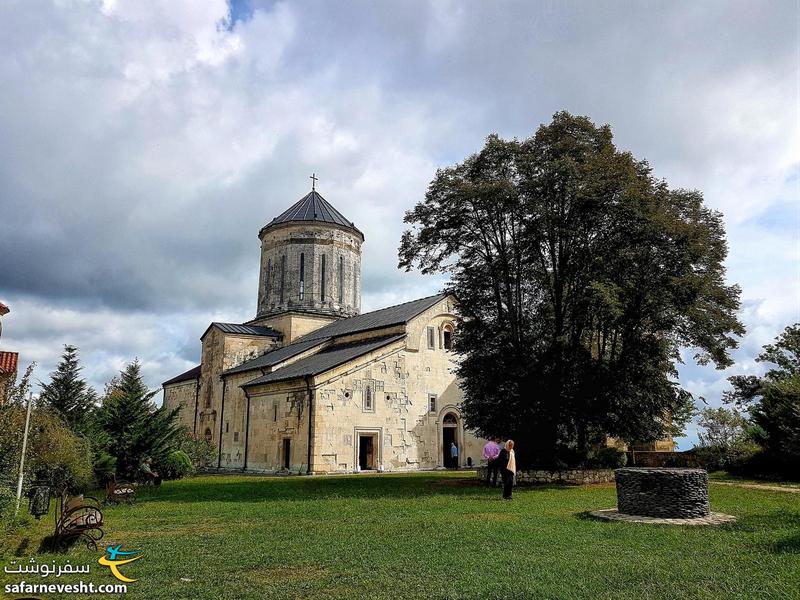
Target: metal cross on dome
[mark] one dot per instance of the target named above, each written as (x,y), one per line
(313,179)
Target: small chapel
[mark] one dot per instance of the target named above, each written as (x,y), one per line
(311,384)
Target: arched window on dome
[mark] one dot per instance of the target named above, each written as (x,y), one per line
(283,275)
(322,279)
(341,279)
(302,274)
(268,279)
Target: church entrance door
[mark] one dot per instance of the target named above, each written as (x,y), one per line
(366,452)
(448,437)
(287,453)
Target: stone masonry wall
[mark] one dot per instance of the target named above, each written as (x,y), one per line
(312,241)
(569,477)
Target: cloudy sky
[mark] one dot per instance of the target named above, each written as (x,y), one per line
(143,144)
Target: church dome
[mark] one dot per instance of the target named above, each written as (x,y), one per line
(310,262)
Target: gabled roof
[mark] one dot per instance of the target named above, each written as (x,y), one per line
(8,362)
(273,357)
(377,319)
(324,360)
(193,373)
(312,207)
(4,310)
(237,329)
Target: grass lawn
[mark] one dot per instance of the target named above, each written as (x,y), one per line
(429,535)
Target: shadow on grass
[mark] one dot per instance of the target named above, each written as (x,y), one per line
(298,488)
(789,545)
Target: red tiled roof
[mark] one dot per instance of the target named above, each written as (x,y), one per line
(4,310)
(8,362)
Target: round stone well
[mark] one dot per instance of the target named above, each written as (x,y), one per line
(662,492)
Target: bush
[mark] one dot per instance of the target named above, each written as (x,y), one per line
(201,452)
(608,458)
(54,454)
(7,501)
(176,465)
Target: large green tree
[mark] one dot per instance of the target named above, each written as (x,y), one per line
(67,393)
(774,402)
(580,278)
(134,427)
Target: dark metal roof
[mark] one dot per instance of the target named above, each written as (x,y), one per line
(193,373)
(313,207)
(273,357)
(377,319)
(236,328)
(324,361)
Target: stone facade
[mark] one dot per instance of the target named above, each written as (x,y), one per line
(568,477)
(221,351)
(184,394)
(397,399)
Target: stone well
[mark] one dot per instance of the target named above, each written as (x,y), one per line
(664,493)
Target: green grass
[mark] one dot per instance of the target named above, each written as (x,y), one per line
(431,536)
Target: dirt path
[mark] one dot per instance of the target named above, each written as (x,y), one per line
(760,486)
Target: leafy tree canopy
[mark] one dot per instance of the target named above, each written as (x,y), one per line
(580,277)
(774,401)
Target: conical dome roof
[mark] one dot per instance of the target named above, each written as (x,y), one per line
(313,207)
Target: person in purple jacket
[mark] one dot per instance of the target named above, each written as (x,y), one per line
(490,453)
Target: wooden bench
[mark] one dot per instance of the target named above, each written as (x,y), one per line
(120,491)
(78,517)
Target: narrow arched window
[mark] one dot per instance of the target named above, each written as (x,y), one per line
(268,278)
(368,398)
(341,279)
(283,275)
(447,338)
(207,435)
(322,279)
(302,274)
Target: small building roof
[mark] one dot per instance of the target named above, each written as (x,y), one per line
(313,207)
(324,360)
(193,373)
(8,362)
(273,357)
(238,329)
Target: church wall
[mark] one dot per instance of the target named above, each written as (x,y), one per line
(220,352)
(182,394)
(401,378)
(211,359)
(277,412)
(295,325)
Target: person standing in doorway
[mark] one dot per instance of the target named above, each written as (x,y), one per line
(507,462)
(490,453)
(453,455)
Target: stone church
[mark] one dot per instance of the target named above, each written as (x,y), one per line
(312,385)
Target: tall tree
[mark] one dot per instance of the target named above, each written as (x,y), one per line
(67,393)
(580,277)
(135,428)
(774,401)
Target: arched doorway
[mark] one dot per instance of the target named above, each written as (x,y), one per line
(450,437)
